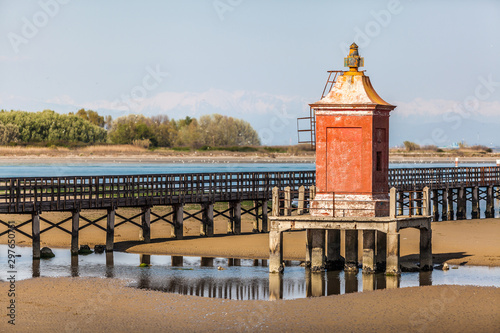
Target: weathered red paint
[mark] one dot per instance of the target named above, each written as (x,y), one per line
(352,146)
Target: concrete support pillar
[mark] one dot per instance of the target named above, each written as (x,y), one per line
(490,208)
(145,231)
(426,249)
(333,259)
(318,250)
(255,227)
(264,223)
(475,203)
(392,263)
(435,204)
(308,247)
(275,287)
(75,226)
(451,212)
(35,234)
(461,204)
(207,216)
(110,229)
(444,206)
(381,250)
(351,250)
(368,251)
(177,229)
(275,251)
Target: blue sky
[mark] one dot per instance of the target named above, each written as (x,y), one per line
(262,61)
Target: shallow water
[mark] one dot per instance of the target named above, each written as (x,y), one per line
(241,279)
(101,169)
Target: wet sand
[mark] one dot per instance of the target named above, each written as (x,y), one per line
(105,305)
(470,242)
(97,304)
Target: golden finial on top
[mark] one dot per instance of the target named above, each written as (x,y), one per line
(353,60)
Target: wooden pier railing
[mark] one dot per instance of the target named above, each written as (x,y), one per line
(36,194)
(442,178)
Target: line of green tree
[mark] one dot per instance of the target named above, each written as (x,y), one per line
(88,127)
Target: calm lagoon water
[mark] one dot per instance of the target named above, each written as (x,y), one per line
(100,169)
(240,278)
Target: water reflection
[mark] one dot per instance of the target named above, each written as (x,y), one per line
(74,266)
(110,264)
(242,279)
(35,268)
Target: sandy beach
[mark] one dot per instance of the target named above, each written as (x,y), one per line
(91,304)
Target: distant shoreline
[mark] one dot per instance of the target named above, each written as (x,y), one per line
(218,159)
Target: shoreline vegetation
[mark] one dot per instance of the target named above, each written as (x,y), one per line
(246,154)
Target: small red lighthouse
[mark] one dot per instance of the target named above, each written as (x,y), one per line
(352,146)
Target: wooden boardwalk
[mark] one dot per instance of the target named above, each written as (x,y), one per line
(454,192)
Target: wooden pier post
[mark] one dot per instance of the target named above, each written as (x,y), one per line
(462,204)
(302,196)
(110,229)
(426,248)
(392,263)
(425,202)
(393,202)
(234,222)
(255,227)
(400,201)
(264,222)
(419,196)
(351,250)
(177,229)
(490,208)
(145,231)
(368,251)
(444,205)
(207,216)
(288,202)
(275,202)
(381,250)
(333,259)
(451,212)
(435,204)
(318,250)
(35,234)
(475,214)
(75,226)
